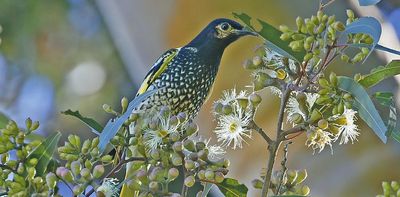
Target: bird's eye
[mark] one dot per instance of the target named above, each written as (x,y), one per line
(225,26)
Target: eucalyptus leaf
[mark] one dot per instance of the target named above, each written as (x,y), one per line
(368,2)
(206,190)
(365,25)
(386,99)
(364,105)
(390,70)
(44,153)
(272,37)
(3,120)
(232,188)
(91,123)
(112,127)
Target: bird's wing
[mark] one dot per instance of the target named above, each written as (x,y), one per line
(157,69)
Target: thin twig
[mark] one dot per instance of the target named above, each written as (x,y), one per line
(274,146)
(284,167)
(322,5)
(184,188)
(296,129)
(253,126)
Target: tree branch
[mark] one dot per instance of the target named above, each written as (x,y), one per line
(253,126)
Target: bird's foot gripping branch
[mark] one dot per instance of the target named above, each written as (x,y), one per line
(165,155)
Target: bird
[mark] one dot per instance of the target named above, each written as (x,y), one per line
(182,78)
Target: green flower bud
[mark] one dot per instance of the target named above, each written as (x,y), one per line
(174,136)
(308,56)
(219,177)
(257,60)
(323,99)
(299,22)
(85,172)
(65,174)
(368,40)
(51,180)
(203,154)
(339,26)
(20,168)
(395,185)
(344,58)
(189,164)
(189,181)
(88,164)
(340,108)
(333,79)
(176,159)
(358,77)
(76,167)
(323,124)
(281,74)
(133,117)
(77,189)
(35,125)
(255,99)
(301,176)
(297,118)
(173,173)
(243,102)
(296,46)
(95,142)
(189,145)
(33,161)
(364,50)
(298,36)
(257,183)
(95,152)
(177,146)
(218,108)
(210,175)
(191,128)
(358,58)
(28,123)
(133,184)
(324,83)
(153,186)
(350,13)
(227,109)
(314,19)
(285,36)
(106,158)
(98,171)
(124,104)
(107,108)
(284,28)
(386,188)
(315,116)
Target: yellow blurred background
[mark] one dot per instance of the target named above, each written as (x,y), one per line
(80,54)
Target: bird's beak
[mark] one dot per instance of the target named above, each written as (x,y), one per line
(245,32)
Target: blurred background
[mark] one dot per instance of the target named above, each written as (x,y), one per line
(80,54)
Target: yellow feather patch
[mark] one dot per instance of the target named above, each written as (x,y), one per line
(158,68)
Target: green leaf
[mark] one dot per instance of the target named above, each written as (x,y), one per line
(44,152)
(91,123)
(3,120)
(232,188)
(206,190)
(365,25)
(271,35)
(391,69)
(386,99)
(364,105)
(112,127)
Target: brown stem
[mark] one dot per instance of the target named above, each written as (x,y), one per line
(274,145)
(252,125)
(284,167)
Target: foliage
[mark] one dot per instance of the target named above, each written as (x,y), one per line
(158,148)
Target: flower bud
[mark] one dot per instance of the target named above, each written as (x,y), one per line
(133,184)
(315,116)
(107,108)
(189,145)
(209,174)
(301,176)
(85,173)
(189,181)
(299,22)
(175,136)
(395,185)
(203,154)
(333,79)
(243,102)
(173,173)
(191,128)
(281,74)
(76,167)
(51,180)
(324,83)
(257,60)
(284,28)
(285,36)
(227,109)
(350,13)
(35,125)
(177,146)
(78,189)
(153,186)
(219,177)
(297,118)
(323,99)
(67,175)
(339,26)
(257,183)
(176,159)
(88,164)
(218,108)
(189,164)
(124,104)
(141,175)
(98,171)
(28,123)
(106,158)
(323,124)
(255,99)
(201,174)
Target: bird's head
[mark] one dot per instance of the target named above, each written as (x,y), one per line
(219,34)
